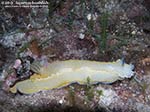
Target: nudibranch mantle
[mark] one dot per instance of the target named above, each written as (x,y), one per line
(62,73)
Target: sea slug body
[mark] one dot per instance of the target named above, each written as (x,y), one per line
(62,73)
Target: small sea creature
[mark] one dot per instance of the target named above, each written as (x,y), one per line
(62,73)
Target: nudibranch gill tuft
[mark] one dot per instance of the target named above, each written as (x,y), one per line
(62,73)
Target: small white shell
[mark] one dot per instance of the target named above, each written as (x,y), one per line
(17,63)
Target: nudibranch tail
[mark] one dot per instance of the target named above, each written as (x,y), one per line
(62,73)
(13,89)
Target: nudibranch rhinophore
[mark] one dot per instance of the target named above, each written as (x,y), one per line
(62,73)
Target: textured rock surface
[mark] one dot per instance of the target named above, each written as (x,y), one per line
(101,30)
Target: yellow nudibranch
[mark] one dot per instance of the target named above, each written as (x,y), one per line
(62,73)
